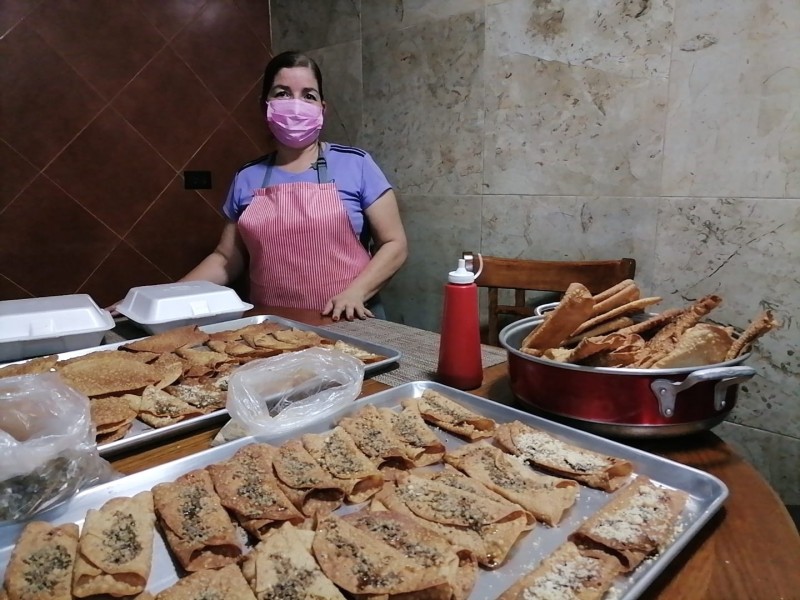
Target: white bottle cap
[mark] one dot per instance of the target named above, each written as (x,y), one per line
(461,275)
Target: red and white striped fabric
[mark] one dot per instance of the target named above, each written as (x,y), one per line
(302,247)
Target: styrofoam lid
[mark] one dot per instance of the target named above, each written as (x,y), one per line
(178,301)
(51,316)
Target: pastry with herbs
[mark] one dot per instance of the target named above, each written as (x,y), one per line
(545,451)
(41,564)
(226,583)
(115,551)
(449,415)
(638,523)
(547,497)
(247,487)
(282,566)
(567,573)
(197,528)
(376,438)
(337,453)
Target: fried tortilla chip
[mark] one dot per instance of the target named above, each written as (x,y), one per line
(665,338)
(170,341)
(559,324)
(614,325)
(113,435)
(569,573)
(762,324)
(623,295)
(298,337)
(703,344)
(108,373)
(588,347)
(196,526)
(363,355)
(547,498)
(547,452)
(282,566)
(443,412)
(43,364)
(227,582)
(111,413)
(247,486)
(626,309)
(115,551)
(337,453)
(637,523)
(422,446)
(40,567)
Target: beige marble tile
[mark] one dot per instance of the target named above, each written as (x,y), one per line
(775,456)
(423,105)
(310,24)
(631,38)
(554,128)
(572,228)
(746,251)
(438,228)
(341,82)
(379,16)
(734,100)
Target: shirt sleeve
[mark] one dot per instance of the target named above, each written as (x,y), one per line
(373,182)
(231,209)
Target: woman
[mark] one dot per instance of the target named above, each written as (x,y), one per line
(305,214)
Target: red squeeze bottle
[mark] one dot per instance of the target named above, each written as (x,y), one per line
(460,344)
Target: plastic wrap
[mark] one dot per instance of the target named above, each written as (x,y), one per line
(47,445)
(281,393)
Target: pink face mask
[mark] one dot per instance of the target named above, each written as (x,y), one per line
(293,122)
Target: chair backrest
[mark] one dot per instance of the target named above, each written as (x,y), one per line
(541,275)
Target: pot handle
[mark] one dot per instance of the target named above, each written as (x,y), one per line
(666,391)
(545,308)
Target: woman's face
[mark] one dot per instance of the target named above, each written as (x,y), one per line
(298,83)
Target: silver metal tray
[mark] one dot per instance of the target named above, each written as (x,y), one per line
(142,434)
(706,495)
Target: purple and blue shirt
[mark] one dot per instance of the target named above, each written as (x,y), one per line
(358,179)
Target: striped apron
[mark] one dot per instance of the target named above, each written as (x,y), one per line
(303,249)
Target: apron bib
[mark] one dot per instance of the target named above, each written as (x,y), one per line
(302,247)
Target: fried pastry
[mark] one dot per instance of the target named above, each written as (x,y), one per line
(422,446)
(574,308)
(375,438)
(282,566)
(247,486)
(311,488)
(170,340)
(115,551)
(40,567)
(227,582)
(547,452)
(449,415)
(638,522)
(567,573)
(548,498)
(196,526)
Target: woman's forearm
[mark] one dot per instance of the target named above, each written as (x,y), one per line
(382,266)
(225,263)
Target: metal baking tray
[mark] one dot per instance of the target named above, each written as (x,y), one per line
(706,494)
(141,434)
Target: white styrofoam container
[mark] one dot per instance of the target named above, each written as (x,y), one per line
(157,308)
(50,325)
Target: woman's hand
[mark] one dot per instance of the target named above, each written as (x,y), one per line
(349,304)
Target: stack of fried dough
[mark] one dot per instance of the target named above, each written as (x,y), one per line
(172,376)
(422,522)
(610,329)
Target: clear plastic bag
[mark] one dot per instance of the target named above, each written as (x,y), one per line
(275,395)
(47,445)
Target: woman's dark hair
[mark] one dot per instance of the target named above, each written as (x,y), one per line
(287,60)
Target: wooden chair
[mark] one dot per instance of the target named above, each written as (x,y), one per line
(540,275)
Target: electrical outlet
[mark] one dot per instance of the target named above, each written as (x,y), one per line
(197,180)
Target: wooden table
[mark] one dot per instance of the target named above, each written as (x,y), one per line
(750,549)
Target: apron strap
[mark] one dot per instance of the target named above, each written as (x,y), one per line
(320,166)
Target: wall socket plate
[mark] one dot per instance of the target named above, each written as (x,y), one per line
(197,180)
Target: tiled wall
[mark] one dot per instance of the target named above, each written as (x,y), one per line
(104,105)
(666,130)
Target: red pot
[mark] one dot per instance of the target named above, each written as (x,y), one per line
(623,402)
